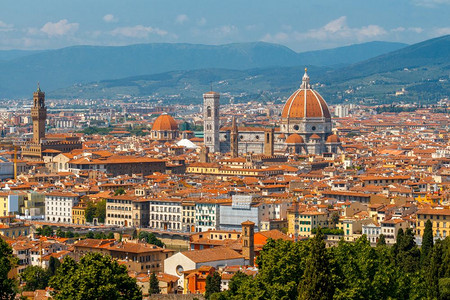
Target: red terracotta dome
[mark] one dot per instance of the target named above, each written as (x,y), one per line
(315,137)
(305,103)
(333,139)
(165,122)
(295,139)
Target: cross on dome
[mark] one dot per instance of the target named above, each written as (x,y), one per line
(305,81)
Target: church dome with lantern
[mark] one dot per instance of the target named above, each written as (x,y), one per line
(164,128)
(306,113)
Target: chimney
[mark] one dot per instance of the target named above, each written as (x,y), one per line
(248,242)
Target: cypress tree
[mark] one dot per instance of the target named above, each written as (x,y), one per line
(381,240)
(427,244)
(212,284)
(433,274)
(154,285)
(316,283)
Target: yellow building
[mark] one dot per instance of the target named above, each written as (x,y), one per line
(440,219)
(79,213)
(303,222)
(10,203)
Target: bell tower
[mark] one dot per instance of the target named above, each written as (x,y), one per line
(248,241)
(234,146)
(39,115)
(211,120)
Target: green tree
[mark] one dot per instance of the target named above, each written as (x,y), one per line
(90,235)
(381,240)
(47,231)
(60,233)
(405,250)
(434,272)
(94,277)
(317,280)
(154,285)
(100,211)
(35,278)
(90,211)
(212,284)
(69,234)
(8,286)
(110,235)
(150,238)
(53,265)
(427,243)
(119,191)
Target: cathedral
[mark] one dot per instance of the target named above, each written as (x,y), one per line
(305,127)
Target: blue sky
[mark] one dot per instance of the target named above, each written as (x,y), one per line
(299,24)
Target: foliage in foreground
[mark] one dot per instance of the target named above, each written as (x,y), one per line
(308,270)
(8,286)
(94,277)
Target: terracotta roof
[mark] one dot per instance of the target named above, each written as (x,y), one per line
(212,254)
(165,122)
(305,103)
(294,138)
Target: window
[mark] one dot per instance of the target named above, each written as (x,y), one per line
(208,111)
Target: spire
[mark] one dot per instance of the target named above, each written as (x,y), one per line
(38,87)
(305,81)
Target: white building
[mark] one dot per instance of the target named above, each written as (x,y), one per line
(58,206)
(166,214)
(207,215)
(191,260)
(372,231)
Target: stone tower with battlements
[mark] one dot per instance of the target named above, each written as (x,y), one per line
(39,115)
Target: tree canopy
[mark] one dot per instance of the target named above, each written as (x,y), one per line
(309,270)
(94,277)
(7,262)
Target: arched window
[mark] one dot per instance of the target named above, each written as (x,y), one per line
(208,111)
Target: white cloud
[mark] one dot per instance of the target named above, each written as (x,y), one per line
(138,31)
(441,31)
(411,29)
(109,18)
(334,30)
(431,3)
(181,19)
(5,27)
(225,30)
(201,22)
(59,28)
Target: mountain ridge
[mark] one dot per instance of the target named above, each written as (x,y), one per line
(64,67)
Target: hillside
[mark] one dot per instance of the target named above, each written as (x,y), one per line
(60,68)
(421,69)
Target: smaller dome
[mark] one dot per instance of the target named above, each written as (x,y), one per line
(295,139)
(165,122)
(282,136)
(333,139)
(315,137)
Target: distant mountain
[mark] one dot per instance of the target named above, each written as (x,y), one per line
(13,54)
(432,53)
(422,70)
(82,64)
(349,54)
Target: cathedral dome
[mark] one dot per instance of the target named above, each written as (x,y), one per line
(165,122)
(305,103)
(333,139)
(315,137)
(295,139)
